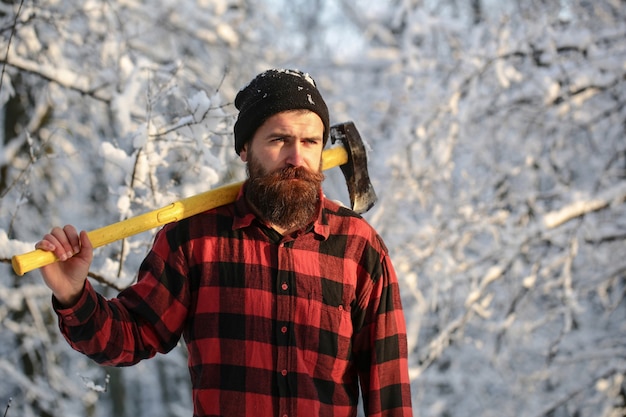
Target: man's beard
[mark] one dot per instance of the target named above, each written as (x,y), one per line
(286,197)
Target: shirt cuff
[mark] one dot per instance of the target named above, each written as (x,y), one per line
(81,311)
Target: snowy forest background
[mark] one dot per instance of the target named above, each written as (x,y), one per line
(498,151)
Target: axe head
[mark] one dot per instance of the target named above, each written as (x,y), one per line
(360,188)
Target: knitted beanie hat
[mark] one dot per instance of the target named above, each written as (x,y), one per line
(275,91)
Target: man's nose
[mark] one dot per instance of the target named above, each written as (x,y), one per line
(294,156)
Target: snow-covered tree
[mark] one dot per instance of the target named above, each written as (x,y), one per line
(504,203)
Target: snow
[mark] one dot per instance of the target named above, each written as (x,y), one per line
(10,247)
(496,149)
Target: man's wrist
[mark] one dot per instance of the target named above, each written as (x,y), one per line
(68,300)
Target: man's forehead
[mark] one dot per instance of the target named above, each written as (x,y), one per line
(292,120)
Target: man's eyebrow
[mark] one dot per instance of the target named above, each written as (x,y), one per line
(281,133)
(278,134)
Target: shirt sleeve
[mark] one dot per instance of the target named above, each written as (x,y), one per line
(144,319)
(381,346)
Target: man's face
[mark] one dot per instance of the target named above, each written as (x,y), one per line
(290,138)
(284,166)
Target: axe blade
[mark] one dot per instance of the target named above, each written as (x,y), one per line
(360,188)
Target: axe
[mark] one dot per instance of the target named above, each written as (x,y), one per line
(350,157)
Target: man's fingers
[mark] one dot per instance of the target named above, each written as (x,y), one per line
(73,237)
(46,243)
(63,248)
(86,249)
(84,240)
(64,242)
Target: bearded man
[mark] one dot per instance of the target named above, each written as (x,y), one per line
(288,302)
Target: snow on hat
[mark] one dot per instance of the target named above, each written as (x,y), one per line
(275,91)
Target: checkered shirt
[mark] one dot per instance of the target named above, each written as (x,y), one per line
(274,325)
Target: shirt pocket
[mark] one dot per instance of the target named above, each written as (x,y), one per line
(328,338)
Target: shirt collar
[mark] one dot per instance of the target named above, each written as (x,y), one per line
(245,216)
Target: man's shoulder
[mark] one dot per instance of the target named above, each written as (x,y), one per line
(338,215)
(218,215)
(337,208)
(346,221)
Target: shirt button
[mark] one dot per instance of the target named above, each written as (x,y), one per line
(283,329)
(283,372)
(284,286)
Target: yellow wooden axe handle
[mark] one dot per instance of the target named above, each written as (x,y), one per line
(174,212)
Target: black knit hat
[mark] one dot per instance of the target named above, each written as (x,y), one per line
(275,91)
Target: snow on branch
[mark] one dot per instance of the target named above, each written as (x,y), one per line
(614,195)
(63,77)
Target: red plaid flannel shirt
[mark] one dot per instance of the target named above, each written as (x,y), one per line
(274,326)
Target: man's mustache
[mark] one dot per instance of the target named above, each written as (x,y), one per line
(296,173)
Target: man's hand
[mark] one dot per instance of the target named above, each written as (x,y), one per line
(66,278)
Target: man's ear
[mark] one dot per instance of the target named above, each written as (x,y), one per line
(243,154)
